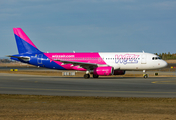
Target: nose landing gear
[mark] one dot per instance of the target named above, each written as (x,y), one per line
(144,74)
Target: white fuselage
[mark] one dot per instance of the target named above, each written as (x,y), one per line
(133,61)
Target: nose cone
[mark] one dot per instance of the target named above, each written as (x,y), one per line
(164,63)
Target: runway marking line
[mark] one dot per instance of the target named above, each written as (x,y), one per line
(164,82)
(86,90)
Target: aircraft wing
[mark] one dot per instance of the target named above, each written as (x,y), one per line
(81,64)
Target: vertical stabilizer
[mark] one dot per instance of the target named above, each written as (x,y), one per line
(24,44)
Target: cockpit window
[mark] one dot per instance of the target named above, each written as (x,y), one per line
(155,58)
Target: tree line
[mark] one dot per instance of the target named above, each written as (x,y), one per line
(167,56)
(6,60)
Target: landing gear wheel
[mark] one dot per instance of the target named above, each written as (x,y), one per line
(86,76)
(95,76)
(145,75)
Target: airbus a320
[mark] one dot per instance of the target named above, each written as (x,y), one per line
(97,63)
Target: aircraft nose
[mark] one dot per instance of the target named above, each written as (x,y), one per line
(164,63)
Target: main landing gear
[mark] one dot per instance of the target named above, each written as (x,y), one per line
(144,74)
(95,76)
(86,76)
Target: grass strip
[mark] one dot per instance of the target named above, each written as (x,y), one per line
(39,107)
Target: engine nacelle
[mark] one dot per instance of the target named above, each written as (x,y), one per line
(103,71)
(119,72)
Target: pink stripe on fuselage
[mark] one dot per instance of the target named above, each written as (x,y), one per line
(77,57)
(20,33)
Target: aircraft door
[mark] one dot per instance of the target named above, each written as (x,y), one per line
(39,59)
(144,58)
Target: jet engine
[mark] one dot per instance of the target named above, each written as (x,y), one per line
(103,71)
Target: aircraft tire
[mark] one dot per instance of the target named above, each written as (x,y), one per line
(95,76)
(146,76)
(86,76)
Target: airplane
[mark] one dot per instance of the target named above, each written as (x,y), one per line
(96,63)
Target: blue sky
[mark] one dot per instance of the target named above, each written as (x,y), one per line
(90,25)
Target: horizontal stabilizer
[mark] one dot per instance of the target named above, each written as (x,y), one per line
(19,57)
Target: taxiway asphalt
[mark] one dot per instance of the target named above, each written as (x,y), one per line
(77,86)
